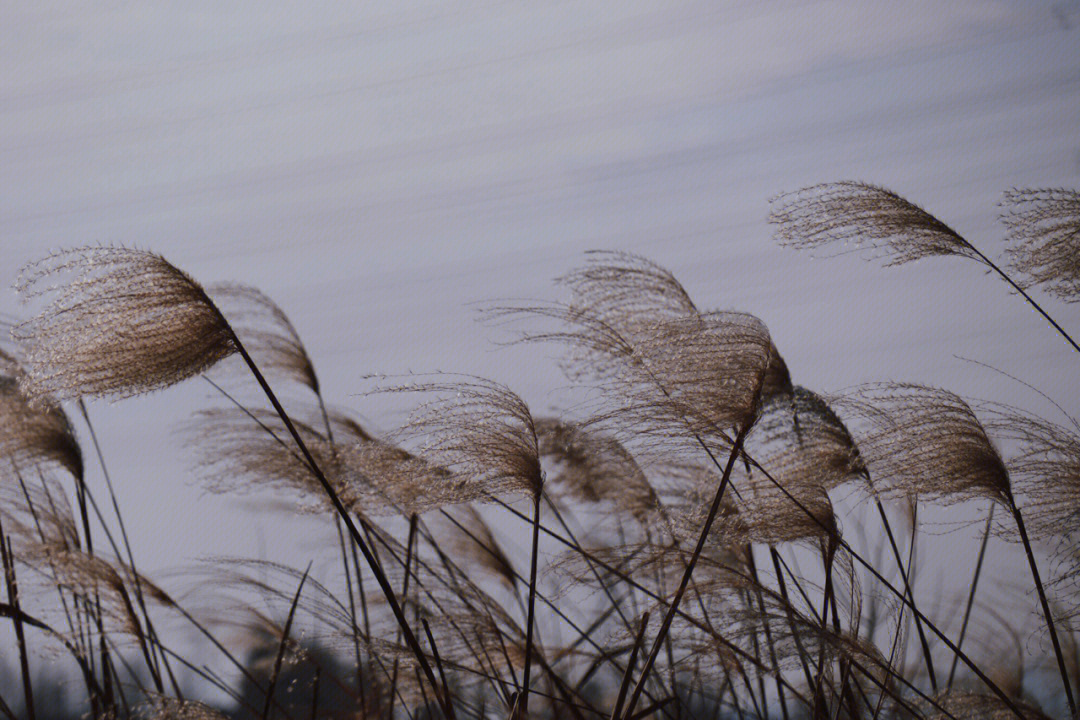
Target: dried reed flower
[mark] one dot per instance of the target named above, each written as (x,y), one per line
(777,380)
(673,372)
(802,440)
(38,512)
(669,380)
(687,488)
(695,359)
(166,708)
(1045,469)
(963,705)
(867,216)
(266,332)
(924,441)
(771,516)
(480,432)
(807,451)
(35,433)
(593,467)
(250,450)
(95,579)
(1044,238)
(621,287)
(126,322)
(471,539)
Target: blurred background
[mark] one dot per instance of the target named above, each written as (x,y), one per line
(379,169)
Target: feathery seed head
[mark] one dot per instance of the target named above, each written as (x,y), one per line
(36,431)
(251,450)
(479,431)
(125,322)
(924,441)
(1044,238)
(866,216)
(963,705)
(594,467)
(266,332)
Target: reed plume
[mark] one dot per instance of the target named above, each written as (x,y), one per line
(924,441)
(166,708)
(1045,468)
(873,218)
(248,450)
(777,380)
(38,511)
(592,467)
(472,539)
(479,431)
(125,322)
(37,433)
(960,705)
(807,452)
(638,326)
(866,216)
(1044,238)
(107,584)
(619,287)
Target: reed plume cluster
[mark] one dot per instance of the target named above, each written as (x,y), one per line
(698,537)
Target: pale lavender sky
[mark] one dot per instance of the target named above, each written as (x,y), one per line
(375,167)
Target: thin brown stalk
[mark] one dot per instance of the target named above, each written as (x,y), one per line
(315,694)
(782,584)
(927,658)
(531,617)
(442,671)
(284,641)
(752,567)
(828,554)
(352,614)
(16,618)
(651,709)
(1047,614)
(670,615)
(971,593)
(624,685)
(409,548)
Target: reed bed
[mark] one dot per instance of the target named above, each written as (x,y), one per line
(705,538)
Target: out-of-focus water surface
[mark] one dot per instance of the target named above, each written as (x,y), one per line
(377,167)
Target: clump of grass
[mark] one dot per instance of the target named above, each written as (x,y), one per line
(696,505)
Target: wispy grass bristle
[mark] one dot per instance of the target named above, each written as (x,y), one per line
(866,217)
(1044,238)
(122,322)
